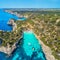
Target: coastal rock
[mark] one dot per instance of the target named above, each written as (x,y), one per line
(13,24)
(8,50)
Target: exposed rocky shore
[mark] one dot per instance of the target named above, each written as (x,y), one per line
(47,51)
(8,50)
(17,14)
(13,24)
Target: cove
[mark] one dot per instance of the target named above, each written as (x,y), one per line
(29,48)
(4,18)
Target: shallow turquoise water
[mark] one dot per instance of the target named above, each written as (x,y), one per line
(30,49)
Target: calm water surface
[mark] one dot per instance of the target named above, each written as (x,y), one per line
(4,18)
(29,49)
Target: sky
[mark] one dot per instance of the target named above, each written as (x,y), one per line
(29,3)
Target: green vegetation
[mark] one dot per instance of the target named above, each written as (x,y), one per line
(45,24)
(13,36)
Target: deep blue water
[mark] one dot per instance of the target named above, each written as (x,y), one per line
(3,56)
(28,49)
(4,18)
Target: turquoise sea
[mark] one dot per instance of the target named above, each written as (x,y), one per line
(28,49)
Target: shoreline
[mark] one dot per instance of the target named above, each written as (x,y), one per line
(47,51)
(7,50)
